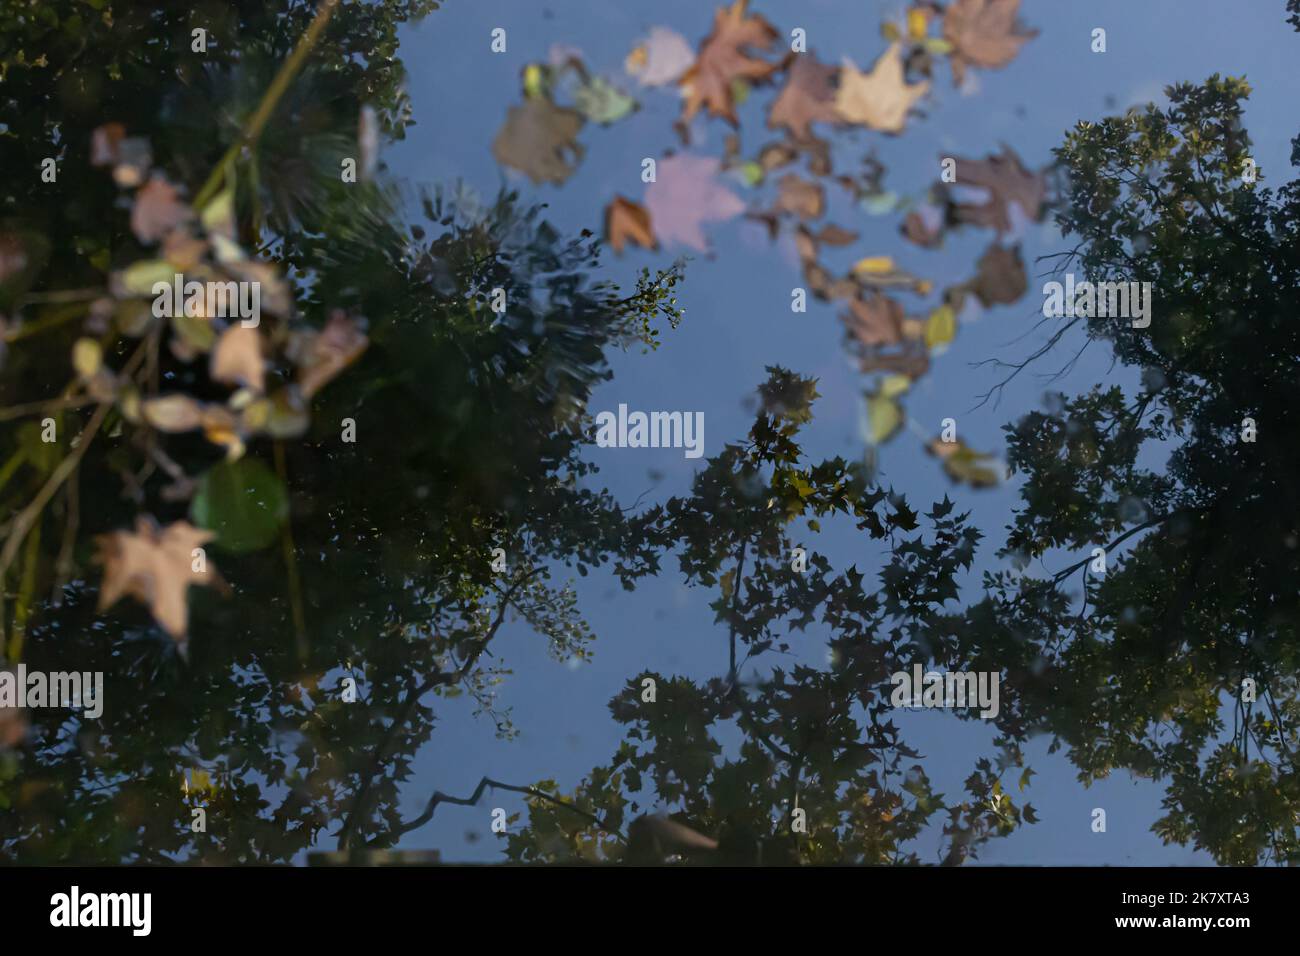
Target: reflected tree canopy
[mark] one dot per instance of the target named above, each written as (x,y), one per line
(468,501)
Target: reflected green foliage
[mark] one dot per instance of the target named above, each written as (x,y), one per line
(737,757)
(1179,661)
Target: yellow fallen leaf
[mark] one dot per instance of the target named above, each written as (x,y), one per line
(883,418)
(941,327)
(894,385)
(874,265)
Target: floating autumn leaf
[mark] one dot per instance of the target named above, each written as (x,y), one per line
(775,155)
(912,360)
(237,358)
(941,327)
(661,59)
(882,417)
(800,197)
(984,33)
(880,99)
(977,469)
(880,272)
(924,226)
(156,568)
(157,210)
(808,97)
(540,140)
(1007,182)
(601,101)
(243,502)
(725,58)
(874,320)
(628,221)
(1001,278)
(327,353)
(685,195)
(172,413)
(833,235)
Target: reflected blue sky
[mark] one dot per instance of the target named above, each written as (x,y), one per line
(738,320)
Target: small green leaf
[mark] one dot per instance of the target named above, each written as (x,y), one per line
(243,501)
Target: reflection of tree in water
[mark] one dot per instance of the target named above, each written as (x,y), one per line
(470,430)
(1194,469)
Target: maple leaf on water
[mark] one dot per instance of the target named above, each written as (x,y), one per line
(724,58)
(985,33)
(881,98)
(1007,181)
(628,221)
(685,194)
(808,97)
(156,567)
(540,140)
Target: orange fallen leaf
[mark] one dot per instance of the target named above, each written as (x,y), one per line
(724,58)
(626,221)
(156,567)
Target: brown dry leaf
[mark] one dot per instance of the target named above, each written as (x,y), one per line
(172,413)
(824,286)
(330,351)
(1007,181)
(1001,278)
(913,360)
(626,221)
(833,235)
(237,358)
(985,33)
(924,226)
(724,58)
(540,139)
(977,469)
(874,321)
(157,210)
(156,568)
(775,155)
(808,97)
(800,197)
(880,99)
